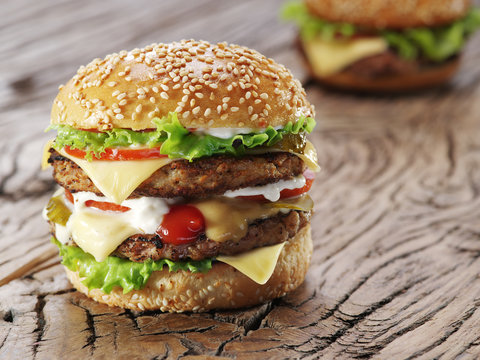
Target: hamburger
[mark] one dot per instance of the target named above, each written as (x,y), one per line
(383,45)
(184,172)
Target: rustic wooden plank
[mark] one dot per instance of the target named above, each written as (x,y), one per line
(396,234)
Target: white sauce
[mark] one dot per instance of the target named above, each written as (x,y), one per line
(270,192)
(226,133)
(146,213)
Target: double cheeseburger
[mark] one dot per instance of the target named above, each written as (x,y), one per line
(383,45)
(183,172)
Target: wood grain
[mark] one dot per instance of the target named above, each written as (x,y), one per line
(396,231)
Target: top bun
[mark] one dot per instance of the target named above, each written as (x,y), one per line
(393,14)
(209,86)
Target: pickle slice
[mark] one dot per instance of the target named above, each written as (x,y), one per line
(57,211)
(303,203)
(292,142)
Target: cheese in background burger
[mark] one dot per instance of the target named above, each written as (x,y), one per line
(164,154)
(383,45)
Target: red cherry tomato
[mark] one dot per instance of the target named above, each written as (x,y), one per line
(288,193)
(181,225)
(106,206)
(113,154)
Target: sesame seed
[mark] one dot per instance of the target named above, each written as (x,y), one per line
(234,109)
(223,117)
(247,95)
(207,112)
(186,114)
(123,102)
(116,92)
(199,95)
(219,109)
(264,96)
(152,100)
(196,110)
(226,99)
(254,117)
(138,109)
(119,116)
(155,89)
(164,95)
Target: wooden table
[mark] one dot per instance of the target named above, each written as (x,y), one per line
(395,271)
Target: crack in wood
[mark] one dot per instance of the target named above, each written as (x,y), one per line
(350,323)
(40,329)
(221,347)
(180,332)
(455,327)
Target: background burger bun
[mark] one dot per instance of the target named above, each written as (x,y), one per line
(207,85)
(393,14)
(223,287)
(423,78)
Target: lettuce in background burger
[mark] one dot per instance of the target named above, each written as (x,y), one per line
(383,45)
(183,172)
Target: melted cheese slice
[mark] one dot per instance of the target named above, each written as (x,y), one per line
(330,57)
(46,154)
(228,219)
(257,264)
(118,179)
(309,157)
(99,234)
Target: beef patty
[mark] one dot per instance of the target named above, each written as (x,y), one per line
(262,232)
(213,175)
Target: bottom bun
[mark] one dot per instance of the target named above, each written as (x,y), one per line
(424,77)
(222,287)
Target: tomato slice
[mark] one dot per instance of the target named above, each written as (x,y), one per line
(68,195)
(181,225)
(106,206)
(288,193)
(114,154)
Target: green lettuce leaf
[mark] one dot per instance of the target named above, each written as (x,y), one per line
(435,44)
(312,26)
(115,271)
(175,140)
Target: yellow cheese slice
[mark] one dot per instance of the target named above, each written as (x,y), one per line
(328,57)
(46,154)
(118,179)
(98,233)
(257,264)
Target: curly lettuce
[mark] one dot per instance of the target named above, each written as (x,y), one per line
(435,44)
(174,139)
(115,271)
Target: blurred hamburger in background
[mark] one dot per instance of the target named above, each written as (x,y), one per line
(183,172)
(383,45)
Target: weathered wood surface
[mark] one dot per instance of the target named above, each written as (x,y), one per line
(396,230)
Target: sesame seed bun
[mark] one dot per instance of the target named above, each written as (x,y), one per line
(416,80)
(392,14)
(207,85)
(223,287)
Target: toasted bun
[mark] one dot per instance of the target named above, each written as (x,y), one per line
(423,78)
(207,85)
(223,287)
(390,13)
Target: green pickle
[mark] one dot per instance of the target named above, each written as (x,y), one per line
(292,142)
(57,211)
